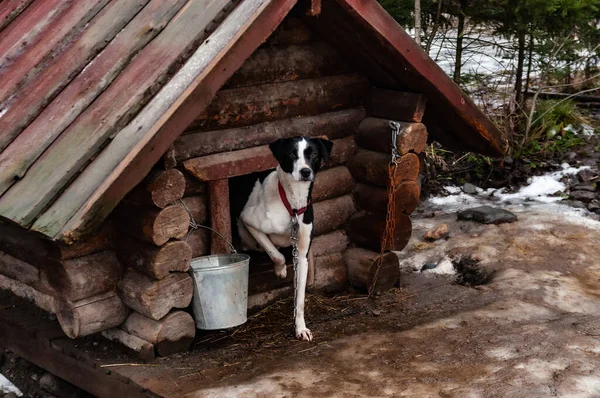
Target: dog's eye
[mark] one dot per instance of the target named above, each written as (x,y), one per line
(313,154)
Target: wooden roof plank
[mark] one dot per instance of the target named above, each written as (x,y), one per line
(26,58)
(40,90)
(83,90)
(11,9)
(212,64)
(467,120)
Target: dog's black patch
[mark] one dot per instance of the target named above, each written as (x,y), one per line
(316,152)
(285,151)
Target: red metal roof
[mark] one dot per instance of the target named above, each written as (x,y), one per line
(93,92)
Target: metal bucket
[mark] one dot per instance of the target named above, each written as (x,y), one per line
(220,290)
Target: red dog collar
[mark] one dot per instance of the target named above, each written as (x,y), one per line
(286,203)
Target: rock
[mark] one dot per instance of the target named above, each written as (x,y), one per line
(575,203)
(584,196)
(59,387)
(427,266)
(585,175)
(10,395)
(594,205)
(34,377)
(469,189)
(508,161)
(571,156)
(437,233)
(487,215)
(584,187)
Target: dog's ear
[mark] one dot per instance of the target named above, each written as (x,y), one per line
(325,147)
(277,148)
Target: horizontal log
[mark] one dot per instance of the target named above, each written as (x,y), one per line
(270,64)
(292,30)
(99,241)
(156,226)
(139,347)
(156,262)
(362,268)
(24,245)
(155,298)
(91,315)
(199,241)
(330,273)
(245,106)
(331,243)
(160,188)
(172,334)
(367,230)
(372,168)
(193,186)
(197,206)
(332,214)
(41,300)
(575,97)
(375,199)
(19,270)
(396,105)
(83,277)
(376,135)
(332,183)
(246,161)
(333,125)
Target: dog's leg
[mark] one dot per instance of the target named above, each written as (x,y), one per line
(302,332)
(271,250)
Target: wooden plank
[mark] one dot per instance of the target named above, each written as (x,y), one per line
(10,9)
(83,90)
(272,64)
(332,124)
(95,381)
(292,30)
(116,106)
(396,105)
(220,216)
(32,49)
(250,105)
(99,241)
(137,346)
(41,300)
(394,47)
(33,96)
(131,154)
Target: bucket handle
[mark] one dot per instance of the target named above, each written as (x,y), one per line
(194,226)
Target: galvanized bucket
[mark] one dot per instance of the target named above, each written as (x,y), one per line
(220,290)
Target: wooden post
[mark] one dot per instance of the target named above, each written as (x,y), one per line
(220,217)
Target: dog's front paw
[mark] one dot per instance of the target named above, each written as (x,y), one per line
(279,266)
(303,334)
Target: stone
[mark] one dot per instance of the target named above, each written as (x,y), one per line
(575,203)
(428,266)
(487,215)
(594,205)
(469,189)
(437,233)
(584,196)
(585,175)
(59,387)
(508,161)
(584,187)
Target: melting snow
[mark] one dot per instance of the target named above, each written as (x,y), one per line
(7,387)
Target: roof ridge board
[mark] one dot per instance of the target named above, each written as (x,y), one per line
(41,89)
(112,110)
(76,97)
(12,9)
(216,66)
(31,55)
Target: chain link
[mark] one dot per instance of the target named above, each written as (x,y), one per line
(387,240)
(295,254)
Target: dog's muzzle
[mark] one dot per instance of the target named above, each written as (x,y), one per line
(306,174)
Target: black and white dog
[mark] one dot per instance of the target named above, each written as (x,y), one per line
(266,220)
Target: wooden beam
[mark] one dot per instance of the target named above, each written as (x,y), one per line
(332,124)
(220,216)
(314,9)
(395,105)
(153,225)
(160,189)
(332,183)
(156,262)
(372,168)
(126,170)
(375,199)
(376,134)
(367,230)
(332,214)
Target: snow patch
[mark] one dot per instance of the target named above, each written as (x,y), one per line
(6,386)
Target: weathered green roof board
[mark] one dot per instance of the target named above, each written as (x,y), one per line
(93,92)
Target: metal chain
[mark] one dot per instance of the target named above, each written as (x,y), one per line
(194,226)
(295,254)
(387,239)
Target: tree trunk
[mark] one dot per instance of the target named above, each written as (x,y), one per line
(520,66)
(459,41)
(418,21)
(529,62)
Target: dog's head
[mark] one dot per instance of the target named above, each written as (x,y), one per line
(301,157)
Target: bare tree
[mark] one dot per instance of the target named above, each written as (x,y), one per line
(418,21)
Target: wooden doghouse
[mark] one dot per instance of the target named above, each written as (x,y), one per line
(122,120)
